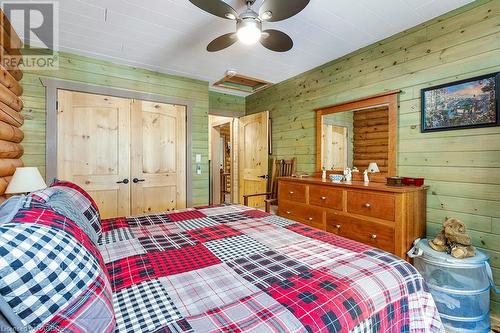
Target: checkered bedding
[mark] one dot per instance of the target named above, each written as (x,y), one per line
(52,276)
(236,269)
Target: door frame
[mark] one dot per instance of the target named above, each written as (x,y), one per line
(53,85)
(214,171)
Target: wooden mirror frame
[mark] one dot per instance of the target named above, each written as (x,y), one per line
(389,99)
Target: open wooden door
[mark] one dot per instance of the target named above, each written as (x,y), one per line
(158,172)
(253,156)
(93,148)
(335,146)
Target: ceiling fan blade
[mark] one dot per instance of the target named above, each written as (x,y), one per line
(222,42)
(276,40)
(277,10)
(216,7)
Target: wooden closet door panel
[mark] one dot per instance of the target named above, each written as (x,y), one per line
(93,148)
(158,157)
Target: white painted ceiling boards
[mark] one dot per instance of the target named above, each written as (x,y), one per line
(171,35)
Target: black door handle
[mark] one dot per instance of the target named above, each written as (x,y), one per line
(125,181)
(264,177)
(137,180)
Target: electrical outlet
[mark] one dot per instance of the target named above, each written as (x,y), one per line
(198,158)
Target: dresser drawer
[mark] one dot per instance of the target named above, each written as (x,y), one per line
(304,214)
(325,196)
(292,192)
(370,233)
(372,204)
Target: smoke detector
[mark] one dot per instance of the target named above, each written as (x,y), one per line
(231,73)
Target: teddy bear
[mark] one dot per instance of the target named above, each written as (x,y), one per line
(453,240)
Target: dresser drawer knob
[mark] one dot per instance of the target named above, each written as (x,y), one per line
(288,212)
(367,205)
(310,219)
(374,236)
(338,226)
(291,192)
(323,198)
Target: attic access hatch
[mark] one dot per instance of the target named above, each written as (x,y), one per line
(242,83)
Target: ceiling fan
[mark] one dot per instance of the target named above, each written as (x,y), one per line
(249,23)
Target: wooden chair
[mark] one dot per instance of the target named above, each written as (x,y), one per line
(281,168)
(225,187)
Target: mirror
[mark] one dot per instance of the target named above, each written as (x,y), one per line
(337,140)
(358,133)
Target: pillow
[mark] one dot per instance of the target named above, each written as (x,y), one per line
(79,189)
(51,274)
(10,207)
(61,202)
(80,199)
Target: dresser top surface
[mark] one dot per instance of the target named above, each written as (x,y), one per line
(354,185)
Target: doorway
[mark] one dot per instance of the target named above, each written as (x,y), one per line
(239,161)
(223,159)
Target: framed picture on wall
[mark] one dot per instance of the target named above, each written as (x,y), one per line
(462,104)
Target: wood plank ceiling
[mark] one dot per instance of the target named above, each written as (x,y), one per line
(170,36)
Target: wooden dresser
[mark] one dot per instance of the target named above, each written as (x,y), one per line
(389,218)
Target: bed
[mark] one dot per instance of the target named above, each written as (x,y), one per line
(207,269)
(237,269)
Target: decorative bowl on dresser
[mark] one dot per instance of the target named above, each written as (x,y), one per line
(389,218)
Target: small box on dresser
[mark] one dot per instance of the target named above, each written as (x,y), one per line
(389,218)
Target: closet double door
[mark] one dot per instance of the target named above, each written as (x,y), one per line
(129,155)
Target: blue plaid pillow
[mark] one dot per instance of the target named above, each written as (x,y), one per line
(51,275)
(62,202)
(79,201)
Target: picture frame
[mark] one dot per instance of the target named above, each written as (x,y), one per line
(468,103)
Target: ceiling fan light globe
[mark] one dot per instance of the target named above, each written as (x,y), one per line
(249,31)
(249,35)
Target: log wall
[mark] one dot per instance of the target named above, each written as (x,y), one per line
(371,139)
(11,105)
(462,167)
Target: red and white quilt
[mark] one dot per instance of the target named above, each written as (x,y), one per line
(236,269)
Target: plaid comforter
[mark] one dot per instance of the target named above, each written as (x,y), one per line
(236,269)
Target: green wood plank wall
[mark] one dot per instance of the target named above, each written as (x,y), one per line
(463,166)
(97,72)
(221,103)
